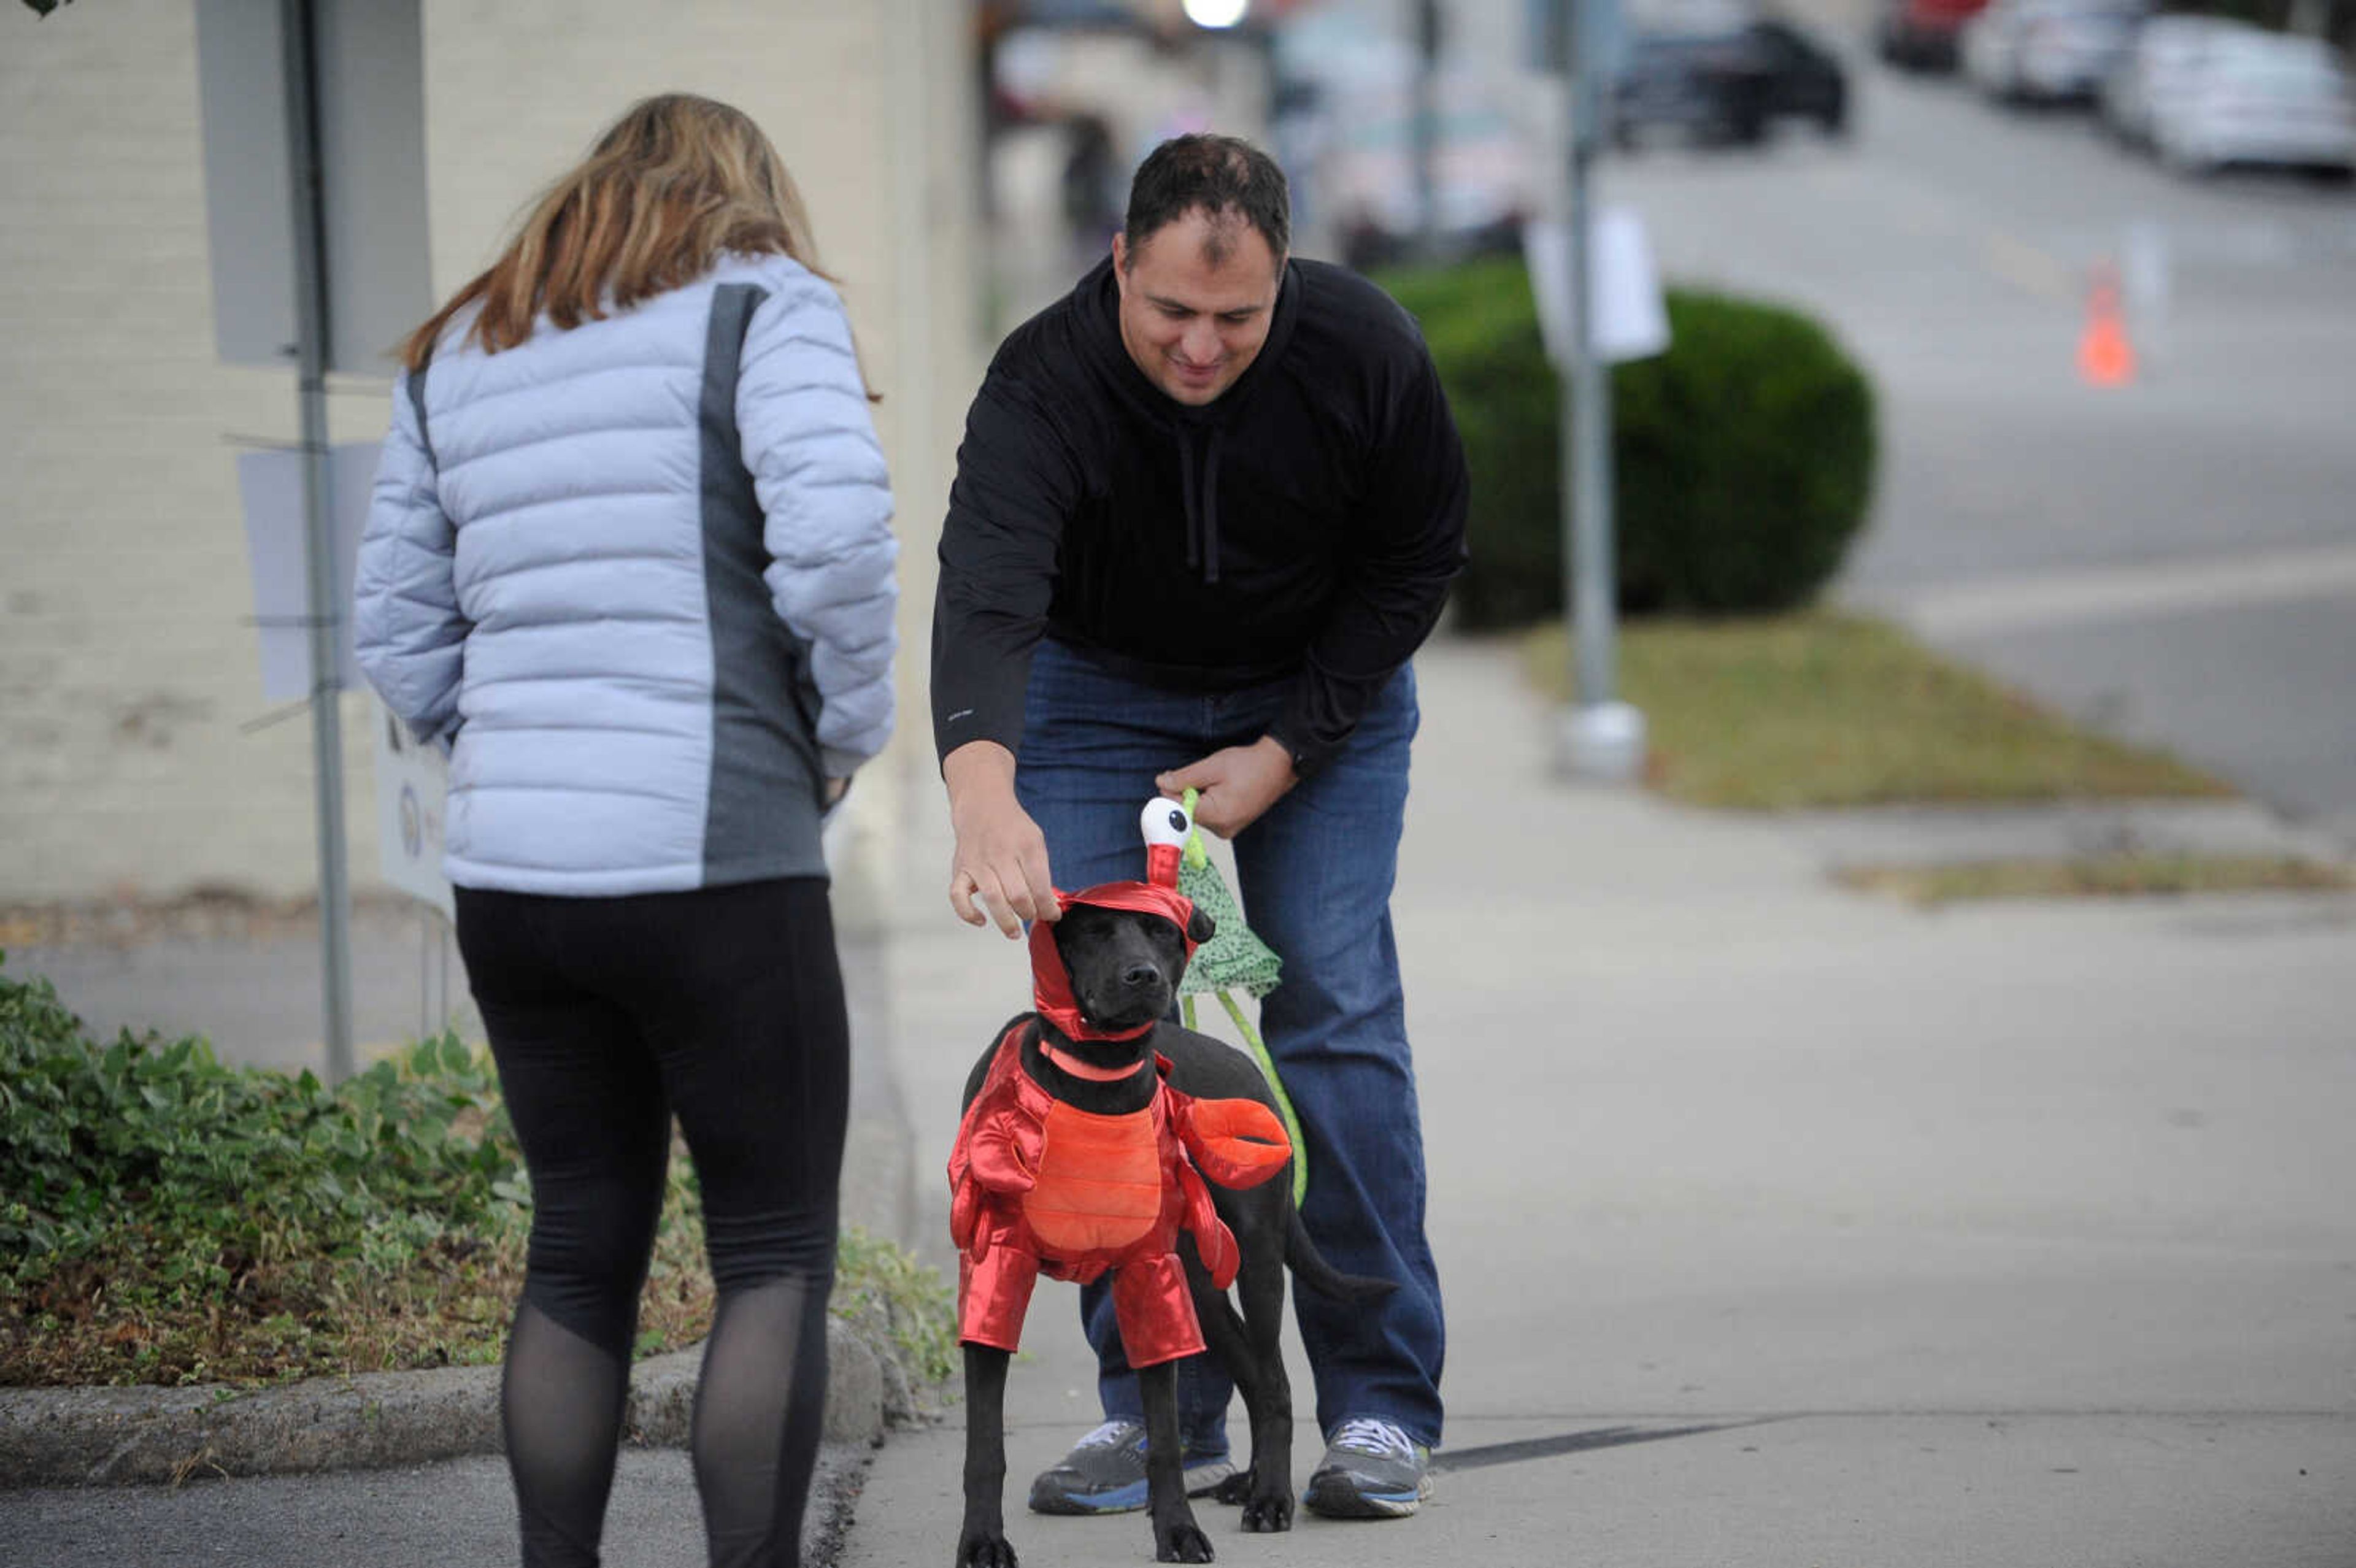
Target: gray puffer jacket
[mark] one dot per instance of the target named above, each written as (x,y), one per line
(637,575)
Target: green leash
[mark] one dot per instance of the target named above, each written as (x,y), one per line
(1235,959)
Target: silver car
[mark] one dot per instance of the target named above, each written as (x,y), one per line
(2267,100)
(2048,50)
(2164,64)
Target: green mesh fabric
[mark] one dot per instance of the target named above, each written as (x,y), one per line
(1234,959)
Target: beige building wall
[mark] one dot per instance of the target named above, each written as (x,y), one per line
(137,753)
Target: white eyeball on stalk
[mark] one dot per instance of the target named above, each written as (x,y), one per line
(1166,825)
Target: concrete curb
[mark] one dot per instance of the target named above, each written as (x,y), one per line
(2068,830)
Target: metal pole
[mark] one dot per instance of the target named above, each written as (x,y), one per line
(425,942)
(1602,738)
(1586,587)
(325,611)
(1425,129)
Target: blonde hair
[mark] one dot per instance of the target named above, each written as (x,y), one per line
(676,181)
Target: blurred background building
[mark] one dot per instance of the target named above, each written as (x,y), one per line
(137,753)
(965,159)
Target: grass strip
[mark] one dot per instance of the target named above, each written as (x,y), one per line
(2107,877)
(1823,710)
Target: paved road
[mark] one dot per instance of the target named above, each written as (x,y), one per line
(2175,561)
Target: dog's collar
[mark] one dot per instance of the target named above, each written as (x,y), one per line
(1065,1061)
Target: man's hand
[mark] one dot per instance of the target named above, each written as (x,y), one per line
(1001,856)
(1237,784)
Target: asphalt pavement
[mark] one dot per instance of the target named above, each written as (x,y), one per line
(1779,1225)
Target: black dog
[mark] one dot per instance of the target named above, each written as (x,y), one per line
(1124,968)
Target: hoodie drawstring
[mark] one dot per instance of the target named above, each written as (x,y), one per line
(1187,493)
(1211,508)
(1201,502)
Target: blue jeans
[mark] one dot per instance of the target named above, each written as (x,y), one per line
(1314,877)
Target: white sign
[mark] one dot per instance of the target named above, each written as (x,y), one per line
(271,485)
(372,110)
(1627,319)
(412,781)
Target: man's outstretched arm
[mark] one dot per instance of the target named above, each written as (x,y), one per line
(1000,856)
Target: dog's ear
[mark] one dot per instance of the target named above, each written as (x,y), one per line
(1201,928)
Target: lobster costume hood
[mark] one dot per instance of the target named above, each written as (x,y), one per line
(1039,1185)
(1051,984)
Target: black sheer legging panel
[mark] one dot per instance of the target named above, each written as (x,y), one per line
(608,1017)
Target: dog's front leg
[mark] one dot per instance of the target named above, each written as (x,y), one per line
(981,1542)
(1176,1537)
(1249,1348)
(1267,1394)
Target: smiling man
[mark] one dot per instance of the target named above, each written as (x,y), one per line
(1207,508)
(1196,302)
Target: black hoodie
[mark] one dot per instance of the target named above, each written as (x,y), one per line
(1305,524)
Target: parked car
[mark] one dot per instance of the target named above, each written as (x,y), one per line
(2163,64)
(1726,85)
(1921,35)
(2049,52)
(2267,100)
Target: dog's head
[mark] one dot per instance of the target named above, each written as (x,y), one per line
(1122,959)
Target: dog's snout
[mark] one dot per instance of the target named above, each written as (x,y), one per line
(1123,963)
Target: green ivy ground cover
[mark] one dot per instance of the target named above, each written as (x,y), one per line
(167,1219)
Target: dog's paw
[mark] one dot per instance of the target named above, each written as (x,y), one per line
(979,1550)
(1235,1488)
(1182,1544)
(1268,1515)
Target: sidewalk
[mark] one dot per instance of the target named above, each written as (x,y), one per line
(1781,1225)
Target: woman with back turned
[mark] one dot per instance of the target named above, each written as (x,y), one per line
(628,560)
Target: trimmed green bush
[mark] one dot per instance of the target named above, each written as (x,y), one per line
(1744,455)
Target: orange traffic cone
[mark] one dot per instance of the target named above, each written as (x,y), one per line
(2106,358)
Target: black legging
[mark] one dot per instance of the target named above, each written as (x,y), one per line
(606,1016)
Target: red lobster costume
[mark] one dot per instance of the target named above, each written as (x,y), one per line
(1040,1187)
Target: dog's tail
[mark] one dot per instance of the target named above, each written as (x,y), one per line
(1310,1270)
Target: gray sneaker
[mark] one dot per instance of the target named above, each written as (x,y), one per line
(1105,1473)
(1371,1470)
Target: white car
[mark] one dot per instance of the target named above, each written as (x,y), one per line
(2048,50)
(2161,67)
(2271,99)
